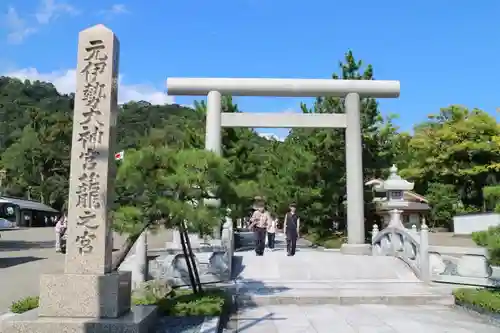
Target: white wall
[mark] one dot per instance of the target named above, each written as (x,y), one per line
(467,224)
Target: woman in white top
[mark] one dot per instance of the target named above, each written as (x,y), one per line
(271,233)
(60,229)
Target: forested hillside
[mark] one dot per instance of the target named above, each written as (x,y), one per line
(453,157)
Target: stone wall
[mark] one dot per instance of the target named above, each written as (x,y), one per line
(467,224)
(213,259)
(462,265)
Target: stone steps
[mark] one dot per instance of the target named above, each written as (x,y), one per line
(251,293)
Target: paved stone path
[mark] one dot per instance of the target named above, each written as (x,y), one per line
(363,318)
(327,292)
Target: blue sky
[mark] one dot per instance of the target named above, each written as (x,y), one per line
(443,52)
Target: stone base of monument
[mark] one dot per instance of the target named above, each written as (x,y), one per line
(139,319)
(84,303)
(356,249)
(85,295)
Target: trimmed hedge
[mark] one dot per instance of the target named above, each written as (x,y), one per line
(486,299)
(489,239)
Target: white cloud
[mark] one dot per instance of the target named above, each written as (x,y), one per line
(115,10)
(50,10)
(65,82)
(271,136)
(19,27)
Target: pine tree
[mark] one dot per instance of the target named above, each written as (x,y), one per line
(328,145)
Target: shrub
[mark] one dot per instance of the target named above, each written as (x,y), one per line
(489,239)
(150,292)
(487,299)
(182,302)
(333,243)
(185,303)
(25,304)
(330,241)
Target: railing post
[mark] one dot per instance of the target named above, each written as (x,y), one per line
(374,235)
(414,231)
(393,240)
(425,270)
(141,260)
(374,232)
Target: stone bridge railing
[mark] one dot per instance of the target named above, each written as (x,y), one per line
(448,264)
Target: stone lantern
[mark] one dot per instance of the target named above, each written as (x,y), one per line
(394,187)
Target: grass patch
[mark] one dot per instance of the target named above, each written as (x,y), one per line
(177,302)
(487,299)
(182,302)
(331,241)
(25,304)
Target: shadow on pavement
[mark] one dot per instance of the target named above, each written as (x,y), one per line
(14,261)
(242,319)
(245,323)
(19,245)
(237,267)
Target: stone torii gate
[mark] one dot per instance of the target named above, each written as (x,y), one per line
(351,90)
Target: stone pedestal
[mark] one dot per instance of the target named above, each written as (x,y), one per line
(89,297)
(138,320)
(356,249)
(395,221)
(85,295)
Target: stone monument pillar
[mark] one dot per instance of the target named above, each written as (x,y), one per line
(89,297)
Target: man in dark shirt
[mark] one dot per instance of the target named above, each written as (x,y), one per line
(291,228)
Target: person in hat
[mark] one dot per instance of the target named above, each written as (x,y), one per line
(291,228)
(259,222)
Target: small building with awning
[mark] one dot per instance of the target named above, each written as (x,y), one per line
(16,212)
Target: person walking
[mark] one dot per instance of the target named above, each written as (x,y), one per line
(291,228)
(271,233)
(60,229)
(259,222)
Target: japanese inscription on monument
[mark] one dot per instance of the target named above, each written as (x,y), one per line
(91,162)
(90,137)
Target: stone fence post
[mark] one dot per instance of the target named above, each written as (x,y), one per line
(141,262)
(227,241)
(425,269)
(374,235)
